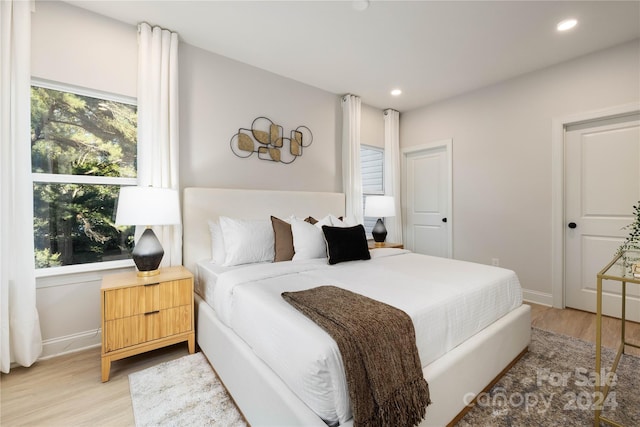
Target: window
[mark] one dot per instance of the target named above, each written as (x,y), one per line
(83,149)
(372,170)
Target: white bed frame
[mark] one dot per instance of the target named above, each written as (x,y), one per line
(454,379)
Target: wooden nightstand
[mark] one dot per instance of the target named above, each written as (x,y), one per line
(374,245)
(145,313)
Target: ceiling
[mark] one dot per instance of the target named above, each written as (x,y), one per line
(431,50)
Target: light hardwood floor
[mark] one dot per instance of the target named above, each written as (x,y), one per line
(67,391)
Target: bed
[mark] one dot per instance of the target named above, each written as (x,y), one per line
(262,390)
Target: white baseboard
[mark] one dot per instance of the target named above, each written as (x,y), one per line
(537,297)
(71,343)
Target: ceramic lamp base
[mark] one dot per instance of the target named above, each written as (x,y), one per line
(379,232)
(147,254)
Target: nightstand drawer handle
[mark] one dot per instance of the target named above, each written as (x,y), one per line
(152,312)
(152,284)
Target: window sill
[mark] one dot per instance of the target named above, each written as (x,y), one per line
(57,276)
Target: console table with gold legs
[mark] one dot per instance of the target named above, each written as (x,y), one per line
(614,271)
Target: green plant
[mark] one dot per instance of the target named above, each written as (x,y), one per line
(633,240)
(45,259)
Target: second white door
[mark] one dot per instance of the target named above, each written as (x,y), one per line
(602,184)
(427,199)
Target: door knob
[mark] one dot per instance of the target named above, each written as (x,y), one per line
(572,225)
(444,219)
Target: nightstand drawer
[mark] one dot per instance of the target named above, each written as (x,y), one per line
(125,302)
(132,330)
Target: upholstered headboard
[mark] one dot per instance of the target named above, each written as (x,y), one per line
(200,205)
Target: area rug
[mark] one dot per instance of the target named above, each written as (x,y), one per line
(182,392)
(553,385)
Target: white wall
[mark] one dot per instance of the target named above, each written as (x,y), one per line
(502,155)
(219,95)
(372,126)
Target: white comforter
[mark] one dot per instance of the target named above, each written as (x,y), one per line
(448,301)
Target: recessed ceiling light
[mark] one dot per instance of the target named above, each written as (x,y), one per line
(567,24)
(396,92)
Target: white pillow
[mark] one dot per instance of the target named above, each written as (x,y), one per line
(246,241)
(308,239)
(218,254)
(345,222)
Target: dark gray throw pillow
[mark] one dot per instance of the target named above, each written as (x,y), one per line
(346,243)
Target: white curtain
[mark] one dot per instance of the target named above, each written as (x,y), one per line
(351,176)
(392,177)
(20,337)
(158,124)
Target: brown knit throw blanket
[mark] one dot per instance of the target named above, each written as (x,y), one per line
(379,353)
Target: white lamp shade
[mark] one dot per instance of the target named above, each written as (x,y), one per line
(379,206)
(148,206)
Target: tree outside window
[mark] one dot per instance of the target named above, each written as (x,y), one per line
(83,149)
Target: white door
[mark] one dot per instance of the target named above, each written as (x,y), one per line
(427,199)
(602,184)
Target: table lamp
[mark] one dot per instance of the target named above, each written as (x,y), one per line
(148,206)
(379,207)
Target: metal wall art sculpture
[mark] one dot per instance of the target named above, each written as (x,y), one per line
(267,139)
